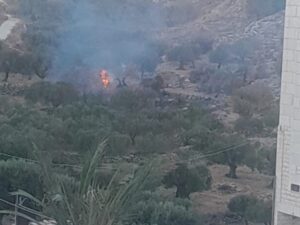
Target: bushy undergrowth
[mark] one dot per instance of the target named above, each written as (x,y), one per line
(129,120)
(250,208)
(155,209)
(17,174)
(131,123)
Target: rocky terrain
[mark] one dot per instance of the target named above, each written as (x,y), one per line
(227,22)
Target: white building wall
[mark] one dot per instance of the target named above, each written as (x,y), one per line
(287,201)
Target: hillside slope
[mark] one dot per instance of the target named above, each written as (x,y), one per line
(223,19)
(227,21)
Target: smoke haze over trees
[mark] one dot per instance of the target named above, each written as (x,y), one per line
(186,122)
(88,35)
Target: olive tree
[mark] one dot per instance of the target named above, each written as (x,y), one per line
(188,179)
(56,94)
(8,61)
(251,99)
(240,205)
(220,56)
(40,45)
(249,126)
(183,54)
(234,151)
(148,61)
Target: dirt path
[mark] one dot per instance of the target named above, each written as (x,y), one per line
(7,26)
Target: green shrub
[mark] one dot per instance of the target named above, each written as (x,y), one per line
(14,142)
(243,107)
(271,118)
(260,212)
(240,205)
(151,143)
(132,101)
(251,209)
(118,144)
(255,98)
(85,140)
(220,56)
(183,54)
(249,126)
(201,75)
(235,150)
(9,58)
(267,160)
(148,61)
(19,174)
(55,94)
(5,104)
(154,209)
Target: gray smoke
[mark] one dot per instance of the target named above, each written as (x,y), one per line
(103,34)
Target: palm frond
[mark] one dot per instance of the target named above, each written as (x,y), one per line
(89,169)
(9,212)
(27,195)
(118,203)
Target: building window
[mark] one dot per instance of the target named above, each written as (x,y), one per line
(295,187)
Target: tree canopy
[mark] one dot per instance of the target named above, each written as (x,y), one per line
(188,180)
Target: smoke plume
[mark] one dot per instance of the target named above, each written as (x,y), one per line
(103,34)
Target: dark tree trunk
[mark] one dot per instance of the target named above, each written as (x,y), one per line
(271,185)
(119,83)
(232,171)
(186,141)
(142,73)
(6,76)
(219,65)
(132,138)
(181,83)
(246,221)
(193,64)
(41,72)
(181,65)
(40,75)
(244,77)
(124,84)
(182,192)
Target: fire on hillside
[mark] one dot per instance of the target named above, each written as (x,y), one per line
(105,78)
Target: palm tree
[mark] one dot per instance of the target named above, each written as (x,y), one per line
(87,204)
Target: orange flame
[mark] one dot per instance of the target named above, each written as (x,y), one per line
(104,76)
